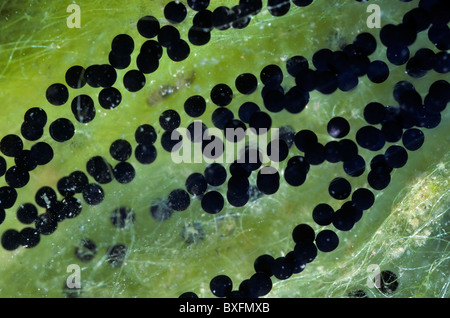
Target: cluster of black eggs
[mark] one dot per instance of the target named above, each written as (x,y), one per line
(330,70)
(102,76)
(340,70)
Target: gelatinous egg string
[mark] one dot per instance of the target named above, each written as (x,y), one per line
(332,70)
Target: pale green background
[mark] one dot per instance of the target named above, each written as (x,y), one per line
(406,231)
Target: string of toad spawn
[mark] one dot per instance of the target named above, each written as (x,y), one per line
(326,82)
